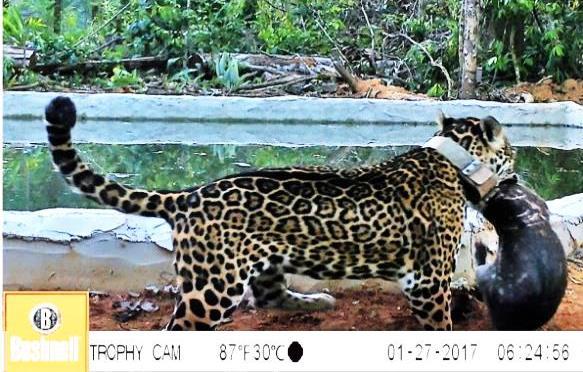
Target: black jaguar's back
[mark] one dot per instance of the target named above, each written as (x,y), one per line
(525,285)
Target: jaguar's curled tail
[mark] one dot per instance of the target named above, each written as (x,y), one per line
(61,116)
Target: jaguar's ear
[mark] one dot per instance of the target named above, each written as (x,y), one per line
(443,121)
(492,131)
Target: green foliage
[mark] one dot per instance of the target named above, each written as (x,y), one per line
(15,77)
(121,78)
(19,31)
(8,71)
(300,27)
(168,27)
(436,28)
(547,34)
(35,30)
(227,72)
(183,79)
(437,90)
(501,61)
(548,38)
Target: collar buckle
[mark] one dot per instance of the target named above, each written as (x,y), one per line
(471,168)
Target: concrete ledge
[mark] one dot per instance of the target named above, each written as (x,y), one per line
(85,249)
(64,225)
(287,109)
(292,121)
(106,250)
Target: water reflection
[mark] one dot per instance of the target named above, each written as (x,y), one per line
(30,183)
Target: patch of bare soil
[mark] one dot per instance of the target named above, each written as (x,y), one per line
(358,309)
(372,88)
(544,91)
(376,88)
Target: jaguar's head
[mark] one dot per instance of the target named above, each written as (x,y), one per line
(484,139)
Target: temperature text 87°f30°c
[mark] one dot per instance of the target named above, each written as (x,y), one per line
(252,352)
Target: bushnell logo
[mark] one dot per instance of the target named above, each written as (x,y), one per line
(45,318)
(46,331)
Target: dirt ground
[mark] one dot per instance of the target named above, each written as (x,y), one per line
(543,91)
(356,309)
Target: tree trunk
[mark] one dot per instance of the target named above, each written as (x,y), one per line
(118,21)
(57,15)
(471,13)
(94,10)
(514,54)
(460,45)
(420,12)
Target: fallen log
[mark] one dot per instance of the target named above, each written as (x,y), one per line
(21,57)
(139,63)
(279,82)
(273,64)
(280,64)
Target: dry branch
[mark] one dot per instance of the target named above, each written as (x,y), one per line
(347,76)
(25,87)
(95,31)
(279,82)
(375,88)
(370,30)
(432,62)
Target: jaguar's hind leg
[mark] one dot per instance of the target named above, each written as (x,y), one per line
(210,290)
(204,304)
(429,298)
(270,291)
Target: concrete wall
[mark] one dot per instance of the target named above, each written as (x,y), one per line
(106,250)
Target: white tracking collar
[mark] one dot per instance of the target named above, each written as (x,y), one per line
(474,171)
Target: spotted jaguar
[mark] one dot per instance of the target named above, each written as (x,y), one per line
(400,220)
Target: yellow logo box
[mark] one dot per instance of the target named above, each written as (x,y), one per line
(46,331)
